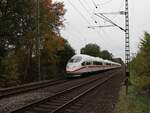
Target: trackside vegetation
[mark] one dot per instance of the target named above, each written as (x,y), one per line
(94,50)
(133,102)
(140,65)
(138,98)
(18,59)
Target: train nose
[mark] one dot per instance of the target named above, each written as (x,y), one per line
(70,67)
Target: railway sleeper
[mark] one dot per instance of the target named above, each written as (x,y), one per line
(40,110)
(74,107)
(48,106)
(69,111)
(64,98)
(55,101)
(58,102)
(54,104)
(29,112)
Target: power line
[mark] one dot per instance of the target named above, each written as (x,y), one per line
(74,31)
(94,3)
(79,12)
(89,13)
(113,13)
(101,26)
(97,22)
(108,20)
(84,7)
(87,10)
(104,3)
(88,4)
(101,36)
(119,9)
(79,33)
(83,16)
(93,19)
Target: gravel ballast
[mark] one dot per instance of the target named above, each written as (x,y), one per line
(16,101)
(103,99)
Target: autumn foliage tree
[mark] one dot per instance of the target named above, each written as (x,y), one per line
(140,65)
(18,61)
(16,20)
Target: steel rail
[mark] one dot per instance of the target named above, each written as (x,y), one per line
(28,87)
(46,99)
(58,110)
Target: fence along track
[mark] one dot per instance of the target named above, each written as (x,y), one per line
(58,102)
(28,87)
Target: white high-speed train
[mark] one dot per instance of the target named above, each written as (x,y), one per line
(81,64)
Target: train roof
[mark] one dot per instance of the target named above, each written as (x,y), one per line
(87,57)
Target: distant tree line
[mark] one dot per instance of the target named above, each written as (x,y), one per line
(18,61)
(140,64)
(94,50)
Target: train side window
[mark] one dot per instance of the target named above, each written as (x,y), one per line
(108,64)
(71,60)
(94,62)
(88,63)
(75,59)
(83,63)
(99,63)
(91,63)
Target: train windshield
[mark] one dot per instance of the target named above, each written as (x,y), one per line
(75,59)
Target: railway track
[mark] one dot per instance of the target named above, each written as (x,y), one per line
(6,92)
(62,100)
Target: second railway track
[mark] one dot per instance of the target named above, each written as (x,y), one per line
(28,87)
(61,100)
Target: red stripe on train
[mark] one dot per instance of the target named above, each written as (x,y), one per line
(85,67)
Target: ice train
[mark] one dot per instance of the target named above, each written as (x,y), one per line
(82,64)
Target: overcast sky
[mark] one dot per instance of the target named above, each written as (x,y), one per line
(80,15)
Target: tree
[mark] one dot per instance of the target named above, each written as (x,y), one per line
(106,55)
(65,55)
(143,57)
(18,36)
(52,43)
(141,63)
(91,49)
(94,50)
(16,21)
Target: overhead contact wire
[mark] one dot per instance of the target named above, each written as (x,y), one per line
(87,10)
(79,12)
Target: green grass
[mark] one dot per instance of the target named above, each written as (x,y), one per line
(132,103)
